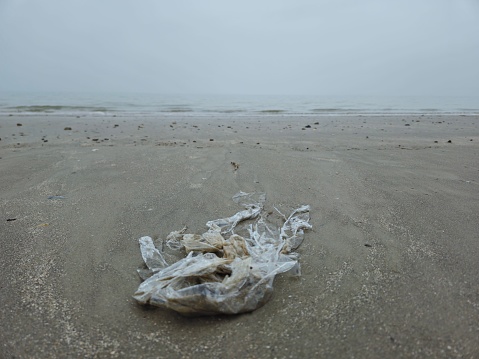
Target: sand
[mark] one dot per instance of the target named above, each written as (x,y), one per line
(390,268)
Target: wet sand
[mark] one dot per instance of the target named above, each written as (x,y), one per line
(390,268)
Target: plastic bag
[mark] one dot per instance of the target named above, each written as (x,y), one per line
(223,272)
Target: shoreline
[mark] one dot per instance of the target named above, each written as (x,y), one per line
(229,115)
(389,269)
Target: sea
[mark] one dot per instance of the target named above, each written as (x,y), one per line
(150,105)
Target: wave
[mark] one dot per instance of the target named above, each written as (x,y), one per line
(57,108)
(271,111)
(326,109)
(430,110)
(178,109)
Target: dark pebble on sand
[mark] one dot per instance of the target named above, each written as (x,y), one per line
(316,123)
(367,245)
(211,139)
(116,126)
(19,124)
(449,141)
(94,139)
(67,128)
(436,141)
(11,219)
(407,124)
(307,126)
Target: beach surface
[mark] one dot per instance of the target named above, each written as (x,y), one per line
(390,268)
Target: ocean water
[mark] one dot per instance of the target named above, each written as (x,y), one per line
(122,104)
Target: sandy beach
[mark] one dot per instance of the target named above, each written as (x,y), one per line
(390,269)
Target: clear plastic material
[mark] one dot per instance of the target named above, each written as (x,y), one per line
(223,272)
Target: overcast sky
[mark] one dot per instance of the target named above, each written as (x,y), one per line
(317,47)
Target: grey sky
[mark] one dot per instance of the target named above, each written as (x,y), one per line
(321,47)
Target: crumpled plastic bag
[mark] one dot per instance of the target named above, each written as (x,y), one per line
(223,272)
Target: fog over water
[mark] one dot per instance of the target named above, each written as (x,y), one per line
(329,48)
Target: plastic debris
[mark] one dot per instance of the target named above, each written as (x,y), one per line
(223,272)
